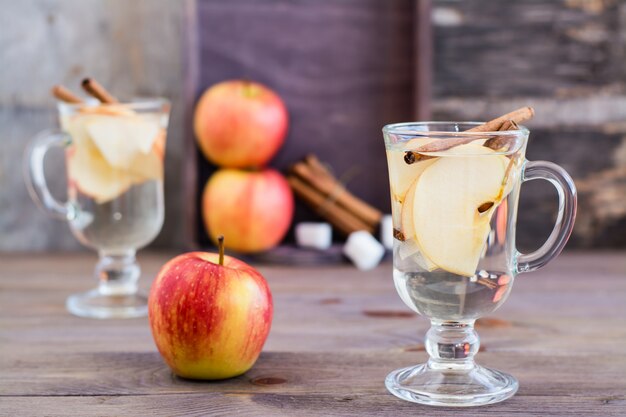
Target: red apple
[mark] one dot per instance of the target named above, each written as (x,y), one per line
(251,209)
(210,315)
(240,124)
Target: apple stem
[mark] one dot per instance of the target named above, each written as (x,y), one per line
(220,247)
(248,89)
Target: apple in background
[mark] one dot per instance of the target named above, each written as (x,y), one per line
(251,209)
(210,315)
(240,124)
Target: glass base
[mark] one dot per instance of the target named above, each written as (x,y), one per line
(431,384)
(94,304)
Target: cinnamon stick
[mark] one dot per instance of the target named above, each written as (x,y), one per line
(489,284)
(93,88)
(322,180)
(508,125)
(316,166)
(517,116)
(336,215)
(64,94)
(502,142)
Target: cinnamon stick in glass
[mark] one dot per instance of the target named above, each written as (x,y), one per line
(93,88)
(500,142)
(517,116)
(64,94)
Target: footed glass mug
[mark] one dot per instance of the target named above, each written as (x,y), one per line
(454,206)
(114,156)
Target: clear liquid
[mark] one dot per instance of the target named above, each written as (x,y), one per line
(128,222)
(446,296)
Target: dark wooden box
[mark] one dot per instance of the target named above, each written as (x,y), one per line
(345,68)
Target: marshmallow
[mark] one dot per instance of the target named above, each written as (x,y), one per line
(386,231)
(314,235)
(363,250)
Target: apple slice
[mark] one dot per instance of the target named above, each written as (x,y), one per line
(409,255)
(408,230)
(449,228)
(406,219)
(401,174)
(121,139)
(146,167)
(511,175)
(159,144)
(75,126)
(93,176)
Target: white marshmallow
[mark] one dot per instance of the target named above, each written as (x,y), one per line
(314,235)
(386,231)
(363,250)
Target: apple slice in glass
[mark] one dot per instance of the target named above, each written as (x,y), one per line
(110,153)
(146,167)
(93,176)
(121,139)
(409,255)
(449,228)
(401,174)
(409,246)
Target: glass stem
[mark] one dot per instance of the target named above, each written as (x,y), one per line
(452,345)
(117,274)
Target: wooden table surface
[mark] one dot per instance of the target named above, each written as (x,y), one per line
(336,334)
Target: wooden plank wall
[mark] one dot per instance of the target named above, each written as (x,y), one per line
(568,60)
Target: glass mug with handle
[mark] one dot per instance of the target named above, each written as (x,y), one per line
(454,207)
(114,156)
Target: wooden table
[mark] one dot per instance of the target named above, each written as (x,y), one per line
(337,333)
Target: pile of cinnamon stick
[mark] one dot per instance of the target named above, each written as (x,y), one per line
(313,183)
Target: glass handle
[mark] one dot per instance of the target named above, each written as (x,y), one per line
(35,175)
(566,190)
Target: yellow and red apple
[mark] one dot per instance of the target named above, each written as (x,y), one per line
(240,124)
(210,315)
(251,209)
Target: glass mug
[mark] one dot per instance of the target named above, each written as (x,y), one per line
(114,155)
(454,211)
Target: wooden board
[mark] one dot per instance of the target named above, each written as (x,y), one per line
(336,333)
(344,69)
